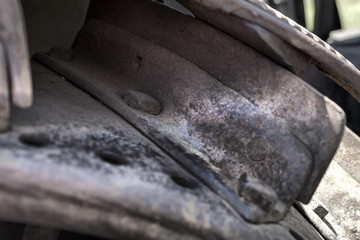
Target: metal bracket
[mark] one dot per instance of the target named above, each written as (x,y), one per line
(249,129)
(70,163)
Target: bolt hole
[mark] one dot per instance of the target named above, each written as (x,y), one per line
(185,182)
(296,235)
(35,140)
(138,62)
(114,158)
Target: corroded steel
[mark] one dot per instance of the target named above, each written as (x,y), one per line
(210,127)
(70,163)
(252,131)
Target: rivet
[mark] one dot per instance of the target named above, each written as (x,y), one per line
(143,102)
(258,149)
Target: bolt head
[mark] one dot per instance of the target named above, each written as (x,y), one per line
(142,102)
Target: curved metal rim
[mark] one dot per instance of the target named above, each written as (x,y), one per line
(326,58)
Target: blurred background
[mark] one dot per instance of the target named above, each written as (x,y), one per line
(349,11)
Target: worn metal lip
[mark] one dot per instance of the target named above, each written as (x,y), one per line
(327,59)
(248,211)
(185,27)
(75,194)
(72,71)
(136,71)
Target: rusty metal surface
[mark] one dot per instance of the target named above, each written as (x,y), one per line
(263,83)
(220,12)
(253,134)
(76,165)
(221,15)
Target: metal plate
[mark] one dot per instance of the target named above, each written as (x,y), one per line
(70,163)
(265,84)
(254,136)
